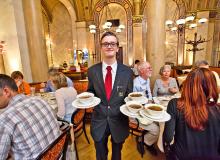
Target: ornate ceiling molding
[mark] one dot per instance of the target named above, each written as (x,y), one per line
(46,10)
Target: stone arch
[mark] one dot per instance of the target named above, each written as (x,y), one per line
(72,13)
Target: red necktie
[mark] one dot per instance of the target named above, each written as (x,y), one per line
(108,82)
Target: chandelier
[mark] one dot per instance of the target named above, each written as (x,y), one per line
(109,22)
(189,22)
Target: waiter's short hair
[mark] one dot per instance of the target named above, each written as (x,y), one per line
(109,34)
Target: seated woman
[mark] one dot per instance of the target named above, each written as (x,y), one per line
(195,119)
(48,86)
(166,85)
(64,95)
(23,87)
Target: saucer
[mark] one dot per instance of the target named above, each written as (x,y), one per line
(91,104)
(143,101)
(164,98)
(126,112)
(163,118)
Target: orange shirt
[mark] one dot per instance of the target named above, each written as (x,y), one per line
(24,88)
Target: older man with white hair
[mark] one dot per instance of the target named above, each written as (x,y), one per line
(142,84)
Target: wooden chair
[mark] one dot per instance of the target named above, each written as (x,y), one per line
(138,132)
(57,148)
(78,121)
(88,115)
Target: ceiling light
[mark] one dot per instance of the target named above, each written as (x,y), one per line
(180,21)
(189,18)
(203,20)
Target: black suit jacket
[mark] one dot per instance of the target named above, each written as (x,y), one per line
(109,112)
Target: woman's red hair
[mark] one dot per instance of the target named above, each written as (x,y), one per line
(199,90)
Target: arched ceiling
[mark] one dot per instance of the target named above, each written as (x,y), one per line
(84,8)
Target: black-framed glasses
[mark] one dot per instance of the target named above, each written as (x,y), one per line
(106,44)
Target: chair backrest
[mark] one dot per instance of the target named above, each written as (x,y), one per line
(58,147)
(77,119)
(135,129)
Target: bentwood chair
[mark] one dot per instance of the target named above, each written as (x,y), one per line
(57,148)
(139,133)
(78,121)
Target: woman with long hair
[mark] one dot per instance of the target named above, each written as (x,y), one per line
(195,119)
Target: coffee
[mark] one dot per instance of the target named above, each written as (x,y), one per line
(155,108)
(136,95)
(84,97)
(135,106)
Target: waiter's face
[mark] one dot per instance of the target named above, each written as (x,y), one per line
(109,47)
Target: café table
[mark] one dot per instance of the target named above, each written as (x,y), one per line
(50,98)
(163,101)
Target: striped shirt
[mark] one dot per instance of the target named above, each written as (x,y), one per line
(27,126)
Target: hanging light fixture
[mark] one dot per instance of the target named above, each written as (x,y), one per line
(107,26)
(189,22)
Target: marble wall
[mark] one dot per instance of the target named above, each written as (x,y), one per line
(8,33)
(61,36)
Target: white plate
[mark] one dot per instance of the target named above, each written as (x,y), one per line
(143,101)
(126,112)
(164,98)
(165,116)
(93,103)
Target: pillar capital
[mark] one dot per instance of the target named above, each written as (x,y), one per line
(137,18)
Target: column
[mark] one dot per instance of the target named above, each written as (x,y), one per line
(36,40)
(138,38)
(137,4)
(155,35)
(203,31)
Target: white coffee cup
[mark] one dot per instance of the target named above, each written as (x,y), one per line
(85,97)
(154,109)
(134,106)
(136,96)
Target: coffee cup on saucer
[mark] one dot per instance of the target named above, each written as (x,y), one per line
(85,97)
(134,106)
(155,110)
(136,96)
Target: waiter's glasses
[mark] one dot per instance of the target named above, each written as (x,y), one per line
(106,44)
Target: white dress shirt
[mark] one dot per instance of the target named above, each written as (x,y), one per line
(141,85)
(114,69)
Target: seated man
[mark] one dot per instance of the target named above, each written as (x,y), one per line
(49,87)
(27,124)
(142,84)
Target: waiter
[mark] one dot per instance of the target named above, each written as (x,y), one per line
(111,81)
